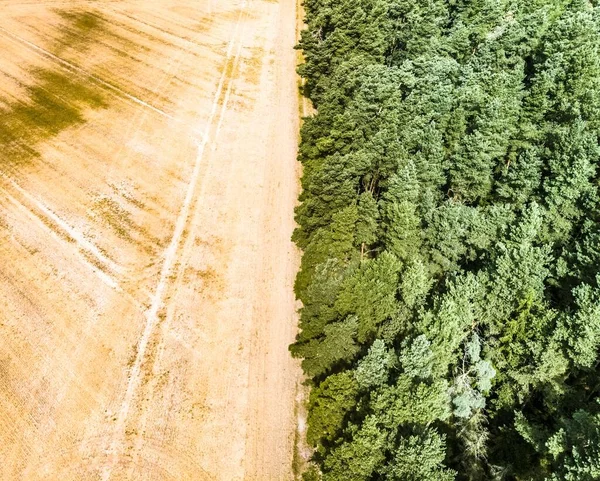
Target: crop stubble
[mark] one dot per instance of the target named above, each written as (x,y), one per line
(147,185)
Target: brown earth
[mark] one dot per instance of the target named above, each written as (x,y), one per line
(147,186)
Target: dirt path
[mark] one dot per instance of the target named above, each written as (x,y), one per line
(177,194)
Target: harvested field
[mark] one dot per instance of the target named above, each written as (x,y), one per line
(147,186)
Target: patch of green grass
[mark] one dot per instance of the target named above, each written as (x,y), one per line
(86,28)
(82,21)
(55,101)
(79,30)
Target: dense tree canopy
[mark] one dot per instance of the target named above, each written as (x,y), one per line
(449,220)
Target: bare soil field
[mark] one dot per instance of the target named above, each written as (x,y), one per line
(147,186)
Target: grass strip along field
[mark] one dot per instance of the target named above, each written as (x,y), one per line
(450,227)
(55,98)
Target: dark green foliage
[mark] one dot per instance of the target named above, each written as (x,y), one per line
(336,346)
(450,227)
(335,241)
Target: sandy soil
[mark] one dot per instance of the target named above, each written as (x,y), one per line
(146,266)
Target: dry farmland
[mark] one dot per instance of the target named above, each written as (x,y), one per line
(147,186)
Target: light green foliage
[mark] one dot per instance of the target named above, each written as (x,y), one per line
(571,449)
(370,294)
(528,354)
(420,458)
(415,284)
(571,164)
(367,222)
(417,358)
(411,401)
(518,269)
(575,448)
(329,404)
(359,458)
(583,326)
(403,232)
(451,319)
(399,208)
(373,370)
(311,474)
(473,381)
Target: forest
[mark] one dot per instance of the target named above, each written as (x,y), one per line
(449,223)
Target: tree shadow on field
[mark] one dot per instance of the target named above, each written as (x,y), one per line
(57,98)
